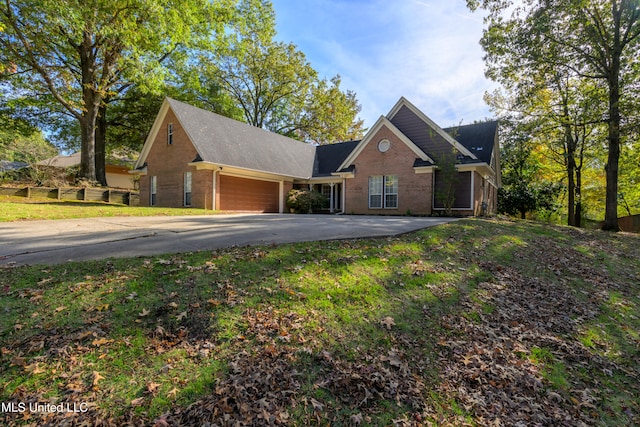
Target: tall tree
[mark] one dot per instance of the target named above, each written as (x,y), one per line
(274,85)
(594,39)
(80,51)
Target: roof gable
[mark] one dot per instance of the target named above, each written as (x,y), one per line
(228,142)
(383,121)
(423,131)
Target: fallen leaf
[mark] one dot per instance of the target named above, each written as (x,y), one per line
(356,419)
(181,316)
(388,322)
(100,341)
(34,369)
(173,304)
(18,361)
(144,312)
(161,422)
(96,378)
(152,387)
(317,406)
(59,309)
(172,392)
(138,401)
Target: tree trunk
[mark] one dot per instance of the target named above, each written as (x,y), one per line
(571,189)
(91,100)
(87,148)
(611,168)
(101,142)
(578,212)
(570,165)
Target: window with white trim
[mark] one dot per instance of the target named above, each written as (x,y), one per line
(391,191)
(375,192)
(153,191)
(170,134)
(383,192)
(187,188)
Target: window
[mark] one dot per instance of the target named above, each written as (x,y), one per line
(170,134)
(187,188)
(391,191)
(153,190)
(383,192)
(384,145)
(375,192)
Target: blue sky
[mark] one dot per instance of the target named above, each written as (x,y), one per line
(424,50)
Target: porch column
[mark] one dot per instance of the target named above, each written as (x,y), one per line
(281,197)
(331,203)
(213,190)
(344,195)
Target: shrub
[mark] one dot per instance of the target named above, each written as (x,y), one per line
(305,201)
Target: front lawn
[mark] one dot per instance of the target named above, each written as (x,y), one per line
(14,208)
(476,322)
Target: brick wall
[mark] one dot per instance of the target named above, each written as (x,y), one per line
(414,190)
(169,163)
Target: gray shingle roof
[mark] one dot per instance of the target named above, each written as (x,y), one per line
(478,138)
(225,141)
(330,157)
(6,166)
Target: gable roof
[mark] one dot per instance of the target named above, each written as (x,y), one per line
(228,142)
(223,141)
(423,131)
(61,161)
(478,138)
(383,121)
(330,157)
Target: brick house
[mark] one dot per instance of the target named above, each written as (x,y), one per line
(193,157)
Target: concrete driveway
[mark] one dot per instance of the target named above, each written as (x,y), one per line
(56,242)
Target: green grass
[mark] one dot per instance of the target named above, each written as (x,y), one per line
(14,208)
(414,329)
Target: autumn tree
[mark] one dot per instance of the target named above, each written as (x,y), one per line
(80,52)
(591,39)
(274,85)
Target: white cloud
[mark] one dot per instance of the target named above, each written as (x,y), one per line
(424,50)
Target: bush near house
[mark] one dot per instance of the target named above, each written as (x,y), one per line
(305,201)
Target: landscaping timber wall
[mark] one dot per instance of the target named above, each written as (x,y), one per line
(125,197)
(630,223)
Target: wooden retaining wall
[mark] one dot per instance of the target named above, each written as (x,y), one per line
(630,223)
(125,197)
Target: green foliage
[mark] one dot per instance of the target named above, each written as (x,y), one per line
(273,84)
(305,201)
(447,179)
(82,54)
(586,52)
(523,197)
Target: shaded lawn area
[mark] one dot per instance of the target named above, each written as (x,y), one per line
(478,322)
(14,208)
